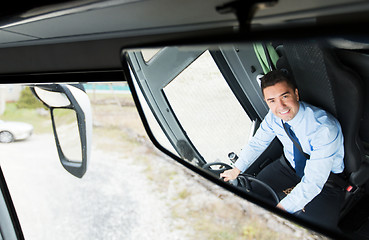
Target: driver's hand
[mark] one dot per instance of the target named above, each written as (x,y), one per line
(230,174)
(279,205)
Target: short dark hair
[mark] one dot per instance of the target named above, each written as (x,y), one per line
(274,77)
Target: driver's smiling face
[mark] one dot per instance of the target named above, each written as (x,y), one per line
(282,100)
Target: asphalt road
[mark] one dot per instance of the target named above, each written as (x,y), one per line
(112,201)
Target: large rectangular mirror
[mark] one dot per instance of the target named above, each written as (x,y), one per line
(225,108)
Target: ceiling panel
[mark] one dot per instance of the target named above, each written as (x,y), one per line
(8,37)
(126,17)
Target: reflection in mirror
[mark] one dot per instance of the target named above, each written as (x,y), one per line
(52,99)
(193,105)
(153,124)
(208,111)
(208,103)
(66,125)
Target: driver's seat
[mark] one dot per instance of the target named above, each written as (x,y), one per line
(325,82)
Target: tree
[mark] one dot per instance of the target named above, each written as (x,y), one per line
(28,100)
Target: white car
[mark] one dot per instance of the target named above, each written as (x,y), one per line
(11,131)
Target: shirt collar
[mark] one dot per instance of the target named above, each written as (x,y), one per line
(295,121)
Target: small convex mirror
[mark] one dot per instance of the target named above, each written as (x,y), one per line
(71,116)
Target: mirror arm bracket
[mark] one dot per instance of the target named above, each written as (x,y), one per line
(244,10)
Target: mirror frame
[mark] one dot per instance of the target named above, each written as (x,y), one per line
(84,121)
(126,62)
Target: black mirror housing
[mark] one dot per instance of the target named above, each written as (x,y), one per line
(74,99)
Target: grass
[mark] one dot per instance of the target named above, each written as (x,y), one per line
(41,123)
(109,99)
(113,138)
(65,116)
(221,221)
(183,194)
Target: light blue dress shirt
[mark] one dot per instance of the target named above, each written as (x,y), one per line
(320,136)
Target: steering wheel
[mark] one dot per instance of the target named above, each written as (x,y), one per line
(243,180)
(217,171)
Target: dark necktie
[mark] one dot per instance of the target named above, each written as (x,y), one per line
(298,156)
